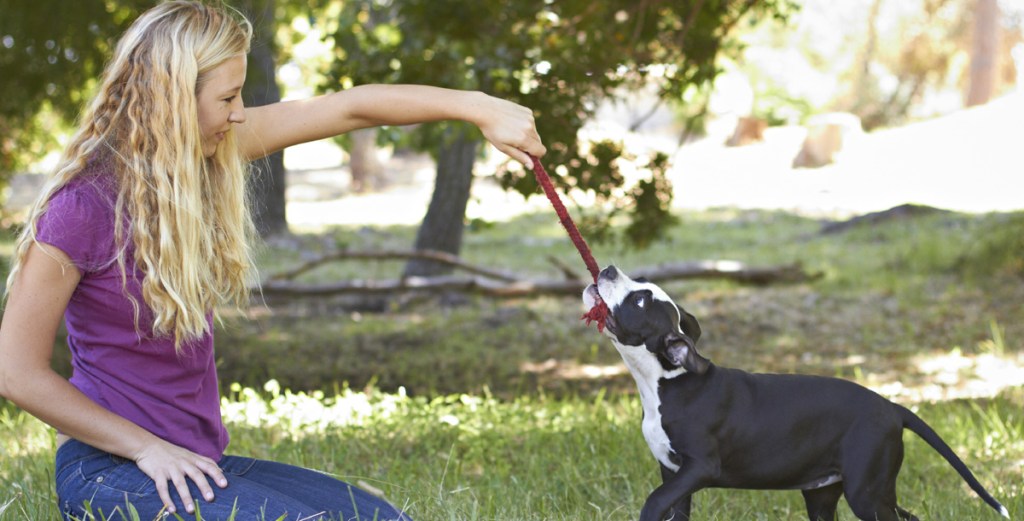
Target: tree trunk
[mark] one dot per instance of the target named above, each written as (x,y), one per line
(267,184)
(984,52)
(366,167)
(442,227)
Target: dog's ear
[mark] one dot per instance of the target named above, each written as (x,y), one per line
(688,323)
(682,352)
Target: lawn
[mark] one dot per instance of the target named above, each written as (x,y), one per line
(462,407)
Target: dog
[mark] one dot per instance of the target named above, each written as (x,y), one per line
(715,427)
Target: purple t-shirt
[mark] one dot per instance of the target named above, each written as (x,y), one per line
(137,376)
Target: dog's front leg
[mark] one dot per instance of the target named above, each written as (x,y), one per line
(673,496)
(680,511)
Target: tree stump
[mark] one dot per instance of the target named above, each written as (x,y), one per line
(748,130)
(827,134)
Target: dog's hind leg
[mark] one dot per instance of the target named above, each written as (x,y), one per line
(822,502)
(872,456)
(877,502)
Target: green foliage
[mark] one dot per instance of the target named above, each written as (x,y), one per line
(652,211)
(645,206)
(558,58)
(50,54)
(999,249)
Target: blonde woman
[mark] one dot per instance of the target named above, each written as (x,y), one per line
(141,234)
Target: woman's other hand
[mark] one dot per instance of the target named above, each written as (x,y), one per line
(167,463)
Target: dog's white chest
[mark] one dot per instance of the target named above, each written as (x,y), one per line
(648,372)
(655,435)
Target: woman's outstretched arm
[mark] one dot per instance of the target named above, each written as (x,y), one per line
(508,126)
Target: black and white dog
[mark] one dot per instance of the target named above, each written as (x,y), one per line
(713,427)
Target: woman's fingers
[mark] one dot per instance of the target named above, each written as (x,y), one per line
(512,130)
(182,487)
(166,463)
(517,154)
(164,493)
(532,145)
(199,478)
(520,147)
(210,468)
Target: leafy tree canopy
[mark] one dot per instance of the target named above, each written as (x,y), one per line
(51,51)
(559,57)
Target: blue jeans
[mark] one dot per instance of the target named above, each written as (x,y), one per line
(257,490)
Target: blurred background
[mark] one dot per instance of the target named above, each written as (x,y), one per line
(802,105)
(796,125)
(833,188)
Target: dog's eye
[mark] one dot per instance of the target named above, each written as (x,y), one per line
(641,301)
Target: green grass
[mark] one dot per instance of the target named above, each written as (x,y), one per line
(889,294)
(463,457)
(479,409)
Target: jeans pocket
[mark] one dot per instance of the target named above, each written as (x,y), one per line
(116,474)
(69,478)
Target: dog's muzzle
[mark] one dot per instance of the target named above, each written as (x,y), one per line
(591,296)
(609,274)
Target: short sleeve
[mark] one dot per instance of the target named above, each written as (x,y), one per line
(79,221)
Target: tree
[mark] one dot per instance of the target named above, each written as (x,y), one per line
(51,51)
(559,58)
(984,52)
(367,170)
(267,183)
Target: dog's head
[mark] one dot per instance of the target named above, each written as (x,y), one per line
(643,316)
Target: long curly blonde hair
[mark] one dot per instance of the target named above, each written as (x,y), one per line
(186,214)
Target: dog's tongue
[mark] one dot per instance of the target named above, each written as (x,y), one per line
(598,314)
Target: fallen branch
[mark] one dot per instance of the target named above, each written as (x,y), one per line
(431,255)
(502,285)
(479,285)
(728,270)
(567,271)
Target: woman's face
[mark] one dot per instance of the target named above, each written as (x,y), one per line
(220,102)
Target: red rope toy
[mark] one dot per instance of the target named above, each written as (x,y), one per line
(600,311)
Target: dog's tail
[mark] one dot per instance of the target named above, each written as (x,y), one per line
(918,426)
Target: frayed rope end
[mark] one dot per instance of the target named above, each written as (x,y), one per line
(598,313)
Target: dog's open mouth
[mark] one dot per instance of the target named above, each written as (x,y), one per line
(611,326)
(590,299)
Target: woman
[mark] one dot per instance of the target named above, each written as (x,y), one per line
(142,232)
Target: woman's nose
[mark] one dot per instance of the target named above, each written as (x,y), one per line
(237,114)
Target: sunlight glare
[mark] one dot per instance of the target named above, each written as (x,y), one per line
(955,375)
(300,414)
